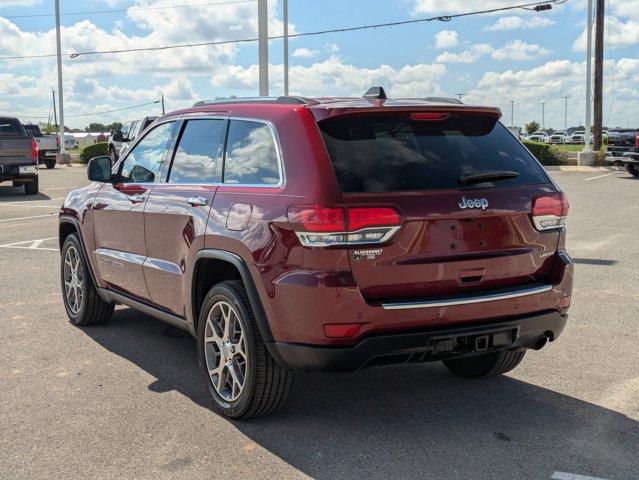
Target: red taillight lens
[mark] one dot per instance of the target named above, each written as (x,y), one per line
(428,116)
(550,211)
(34,149)
(322,226)
(342,330)
(637,140)
(57,140)
(363,217)
(318,218)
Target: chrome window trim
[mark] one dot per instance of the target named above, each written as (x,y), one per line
(489,297)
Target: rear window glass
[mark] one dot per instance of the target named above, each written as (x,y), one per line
(375,153)
(10,127)
(251,154)
(33,130)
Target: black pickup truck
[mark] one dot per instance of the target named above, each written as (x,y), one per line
(623,148)
(18,156)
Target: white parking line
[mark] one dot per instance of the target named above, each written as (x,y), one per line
(572,476)
(26,218)
(31,245)
(601,176)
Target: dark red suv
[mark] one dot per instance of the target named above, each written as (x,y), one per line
(327,234)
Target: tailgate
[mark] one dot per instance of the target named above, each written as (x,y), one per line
(15,150)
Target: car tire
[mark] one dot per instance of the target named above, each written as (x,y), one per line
(88,307)
(31,188)
(633,169)
(50,163)
(487,364)
(230,348)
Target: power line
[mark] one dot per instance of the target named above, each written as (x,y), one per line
(125,10)
(105,111)
(440,18)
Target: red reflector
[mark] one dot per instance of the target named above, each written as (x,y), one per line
(565,302)
(553,204)
(637,140)
(362,217)
(34,149)
(428,116)
(342,330)
(318,218)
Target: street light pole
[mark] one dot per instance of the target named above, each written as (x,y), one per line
(63,150)
(543,115)
(262,34)
(587,147)
(512,114)
(285,18)
(566,97)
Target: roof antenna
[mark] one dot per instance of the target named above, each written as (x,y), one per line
(375,93)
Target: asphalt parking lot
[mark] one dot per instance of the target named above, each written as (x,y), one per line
(125,400)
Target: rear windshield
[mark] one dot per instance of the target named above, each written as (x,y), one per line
(10,126)
(382,153)
(33,130)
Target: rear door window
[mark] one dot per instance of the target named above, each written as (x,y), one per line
(251,154)
(199,152)
(382,153)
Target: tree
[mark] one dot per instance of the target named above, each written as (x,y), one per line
(532,127)
(96,127)
(113,127)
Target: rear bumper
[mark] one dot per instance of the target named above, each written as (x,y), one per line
(422,346)
(26,172)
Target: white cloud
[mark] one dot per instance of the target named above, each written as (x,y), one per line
(619,33)
(18,3)
(515,22)
(474,53)
(457,6)
(334,77)
(517,50)
(446,39)
(331,48)
(304,53)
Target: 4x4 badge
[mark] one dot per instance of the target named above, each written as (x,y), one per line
(473,203)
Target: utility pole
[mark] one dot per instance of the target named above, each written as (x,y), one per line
(55,113)
(460,95)
(262,34)
(566,97)
(543,115)
(162,104)
(587,147)
(599,53)
(63,151)
(512,114)
(285,18)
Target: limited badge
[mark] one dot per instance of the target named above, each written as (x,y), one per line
(367,254)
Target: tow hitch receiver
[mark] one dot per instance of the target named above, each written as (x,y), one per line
(474,343)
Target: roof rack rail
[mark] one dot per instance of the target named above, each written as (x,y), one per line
(287,100)
(444,100)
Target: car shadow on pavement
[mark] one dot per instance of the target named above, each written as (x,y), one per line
(416,421)
(16,194)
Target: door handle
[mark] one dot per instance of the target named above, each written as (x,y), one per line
(137,198)
(197,201)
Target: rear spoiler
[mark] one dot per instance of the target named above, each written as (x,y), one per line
(322,112)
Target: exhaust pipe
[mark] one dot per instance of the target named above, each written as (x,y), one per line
(540,342)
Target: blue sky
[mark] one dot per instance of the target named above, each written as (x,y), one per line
(520,55)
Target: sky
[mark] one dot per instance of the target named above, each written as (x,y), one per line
(522,56)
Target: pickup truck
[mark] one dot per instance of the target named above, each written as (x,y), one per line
(18,156)
(48,145)
(120,139)
(623,148)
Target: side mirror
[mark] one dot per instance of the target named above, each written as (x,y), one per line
(117,136)
(99,169)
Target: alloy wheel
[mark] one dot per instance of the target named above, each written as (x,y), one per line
(225,351)
(73,277)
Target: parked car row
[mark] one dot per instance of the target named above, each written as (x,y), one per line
(559,137)
(623,148)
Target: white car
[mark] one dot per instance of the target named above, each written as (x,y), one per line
(558,136)
(578,137)
(539,137)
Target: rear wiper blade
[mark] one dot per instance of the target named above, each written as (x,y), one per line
(488,176)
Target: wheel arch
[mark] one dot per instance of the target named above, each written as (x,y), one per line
(237,264)
(68,226)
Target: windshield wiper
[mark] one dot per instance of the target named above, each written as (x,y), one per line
(488,176)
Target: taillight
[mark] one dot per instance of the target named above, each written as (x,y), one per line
(549,212)
(34,149)
(322,226)
(637,140)
(57,140)
(428,116)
